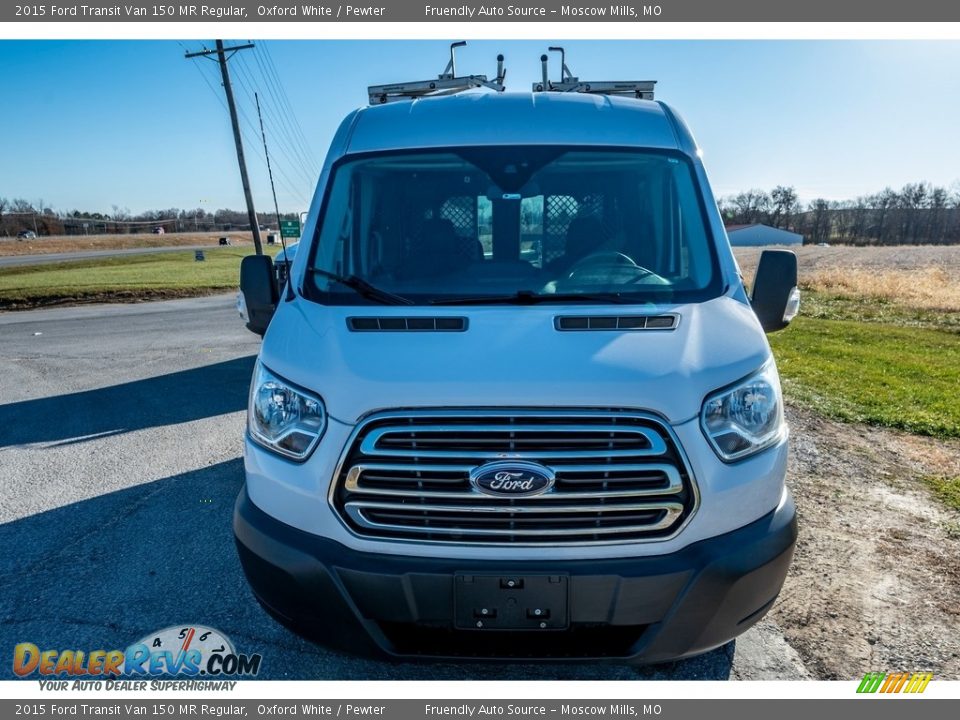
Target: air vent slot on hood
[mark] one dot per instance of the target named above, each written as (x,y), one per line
(616,322)
(407,324)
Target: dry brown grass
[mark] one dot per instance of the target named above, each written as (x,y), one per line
(930,288)
(922,277)
(79,243)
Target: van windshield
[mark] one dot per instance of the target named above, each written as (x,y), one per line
(476,225)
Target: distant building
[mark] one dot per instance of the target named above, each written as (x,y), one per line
(758,234)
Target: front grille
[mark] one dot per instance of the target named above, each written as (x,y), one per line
(618,476)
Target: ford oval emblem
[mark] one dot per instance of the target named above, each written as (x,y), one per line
(512,479)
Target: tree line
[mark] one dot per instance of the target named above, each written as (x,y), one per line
(19,214)
(917,214)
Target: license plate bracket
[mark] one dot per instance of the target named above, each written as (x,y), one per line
(511,602)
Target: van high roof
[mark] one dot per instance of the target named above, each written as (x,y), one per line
(537,118)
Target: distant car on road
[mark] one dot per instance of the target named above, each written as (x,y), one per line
(26,235)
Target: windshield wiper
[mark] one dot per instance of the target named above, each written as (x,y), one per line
(528,297)
(363,288)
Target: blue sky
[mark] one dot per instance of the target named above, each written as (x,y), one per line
(93,124)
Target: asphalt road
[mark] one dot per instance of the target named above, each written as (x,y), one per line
(120,443)
(45,258)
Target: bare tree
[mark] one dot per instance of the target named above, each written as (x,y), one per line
(748,207)
(784,205)
(878,224)
(937,215)
(820,216)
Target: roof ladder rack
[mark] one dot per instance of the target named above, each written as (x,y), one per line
(446,84)
(639,89)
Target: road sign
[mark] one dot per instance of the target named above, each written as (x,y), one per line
(290,228)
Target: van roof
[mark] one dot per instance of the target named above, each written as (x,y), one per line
(545,118)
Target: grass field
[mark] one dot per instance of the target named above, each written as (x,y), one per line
(132,277)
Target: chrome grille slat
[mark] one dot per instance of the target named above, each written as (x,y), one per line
(385,444)
(357,473)
(668,518)
(620,476)
(415,437)
(513,454)
(518,509)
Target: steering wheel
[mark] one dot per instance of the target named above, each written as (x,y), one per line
(608,262)
(605,259)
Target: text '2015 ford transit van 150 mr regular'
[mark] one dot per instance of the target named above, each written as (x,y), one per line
(514,401)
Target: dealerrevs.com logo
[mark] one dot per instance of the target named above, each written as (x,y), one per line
(185,651)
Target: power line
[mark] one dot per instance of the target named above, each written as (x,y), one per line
(284,111)
(293,115)
(307,175)
(253,130)
(283,105)
(280,123)
(288,184)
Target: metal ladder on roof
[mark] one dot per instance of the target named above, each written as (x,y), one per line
(639,89)
(448,83)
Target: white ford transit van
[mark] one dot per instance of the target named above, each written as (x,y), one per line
(514,401)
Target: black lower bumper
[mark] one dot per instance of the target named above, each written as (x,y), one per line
(639,610)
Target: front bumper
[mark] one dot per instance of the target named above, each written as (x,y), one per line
(637,610)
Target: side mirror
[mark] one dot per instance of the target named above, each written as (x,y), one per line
(259,290)
(775,297)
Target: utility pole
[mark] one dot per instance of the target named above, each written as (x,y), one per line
(266,154)
(222,57)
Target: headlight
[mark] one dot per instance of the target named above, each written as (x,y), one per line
(284,418)
(746,417)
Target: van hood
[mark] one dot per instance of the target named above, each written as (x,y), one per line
(514,356)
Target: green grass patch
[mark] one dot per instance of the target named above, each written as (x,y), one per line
(947,489)
(883,374)
(130,277)
(876,310)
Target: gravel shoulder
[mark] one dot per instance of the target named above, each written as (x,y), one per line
(875,582)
